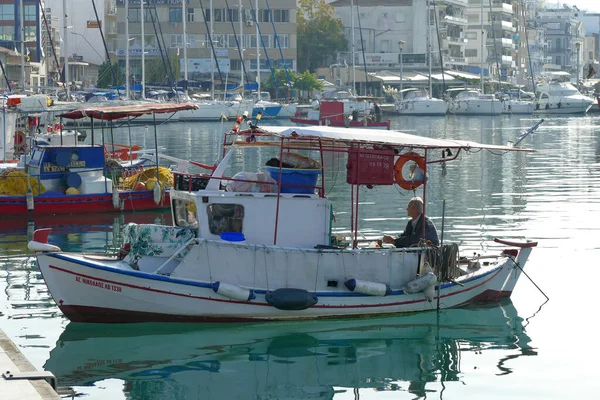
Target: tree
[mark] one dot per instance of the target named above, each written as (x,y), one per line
(320,35)
(306,81)
(105,75)
(155,69)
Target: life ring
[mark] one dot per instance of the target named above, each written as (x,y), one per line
(20,138)
(399,165)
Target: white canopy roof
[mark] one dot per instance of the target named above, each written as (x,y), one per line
(393,138)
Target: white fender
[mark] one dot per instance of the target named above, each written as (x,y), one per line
(116,201)
(233,292)
(41,247)
(420,283)
(157,193)
(366,287)
(29,199)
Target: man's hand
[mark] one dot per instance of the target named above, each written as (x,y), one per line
(388,239)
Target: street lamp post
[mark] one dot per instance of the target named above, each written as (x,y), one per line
(400,46)
(578,47)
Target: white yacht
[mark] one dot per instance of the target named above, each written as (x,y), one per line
(517,106)
(464,101)
(415,101)
(561,98)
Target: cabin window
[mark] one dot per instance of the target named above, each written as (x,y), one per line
(185,213)
(225,218)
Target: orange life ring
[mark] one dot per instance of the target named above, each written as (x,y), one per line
(20,138)
(399,167)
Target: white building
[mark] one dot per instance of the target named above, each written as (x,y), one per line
(491,44)
(383,24)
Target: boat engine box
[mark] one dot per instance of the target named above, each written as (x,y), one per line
(92,185)
(370,167)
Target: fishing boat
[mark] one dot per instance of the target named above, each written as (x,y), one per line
(285,360)
(331,113)
(257,246)
(99,177)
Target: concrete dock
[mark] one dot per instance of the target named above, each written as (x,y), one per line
(13,364)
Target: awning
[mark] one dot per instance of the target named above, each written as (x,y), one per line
(464,75)
(110,113)
(392,138)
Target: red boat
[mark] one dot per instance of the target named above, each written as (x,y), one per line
(77,179)
(331,113)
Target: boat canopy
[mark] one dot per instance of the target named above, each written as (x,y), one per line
(390,138)
(110,113)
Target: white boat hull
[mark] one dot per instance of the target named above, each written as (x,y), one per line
(575,106)
(422,107)
(477,107)
(89,290)
(517,107)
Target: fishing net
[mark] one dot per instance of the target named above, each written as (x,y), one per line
(14,183)
(148,178)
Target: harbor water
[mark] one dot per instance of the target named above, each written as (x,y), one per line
(520,349)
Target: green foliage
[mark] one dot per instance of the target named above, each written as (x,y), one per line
(320,35)
(306,81)
(105,75)
(155,70)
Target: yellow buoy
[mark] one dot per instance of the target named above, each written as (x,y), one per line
(72,190)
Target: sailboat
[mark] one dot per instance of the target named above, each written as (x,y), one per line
(413,101)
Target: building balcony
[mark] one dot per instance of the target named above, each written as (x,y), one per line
(459,3)
(505,61)
(111,8)
(502,7)
(450,60)
(508,26)
(456,21)
(506,43)
(456,41)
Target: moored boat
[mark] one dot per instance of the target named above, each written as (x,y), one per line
(561,98)
(232,254)
(78,178)
(331,113)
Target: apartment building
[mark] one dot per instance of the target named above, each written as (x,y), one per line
(491,38)
(378,26)
(565,38)
(163,30)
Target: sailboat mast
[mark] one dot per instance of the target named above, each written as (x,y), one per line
(429,47)
(352,38)
(257,49)
(481,56)
(143,50)
(185,59)
(241,48)
(127,49)
(212,53)
(22,37)
(65,41)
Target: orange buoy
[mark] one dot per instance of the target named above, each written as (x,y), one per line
(401,162)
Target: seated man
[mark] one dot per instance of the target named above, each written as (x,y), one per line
(414,228)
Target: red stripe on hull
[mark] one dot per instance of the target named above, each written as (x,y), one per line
(113,316)
(79,204)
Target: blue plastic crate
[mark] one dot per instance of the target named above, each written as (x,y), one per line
(296,176)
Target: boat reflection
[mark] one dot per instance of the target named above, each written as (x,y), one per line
(304,360)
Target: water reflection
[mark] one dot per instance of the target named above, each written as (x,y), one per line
(308,360)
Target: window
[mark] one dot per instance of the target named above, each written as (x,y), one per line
(219,15)
(233,15)
(264,16)
(220,41)
(7,12)
(30,33)
(558,60)
(232,42)
(134,15)
(471,53)
(176,41)
(190,15)
(225,218)
(558,44)
(30,13)
(175,15)
(284,41)
(473,18)
(185,213)
(471,35)
(264,66)
(236,65)
(7,32)
(281,15)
